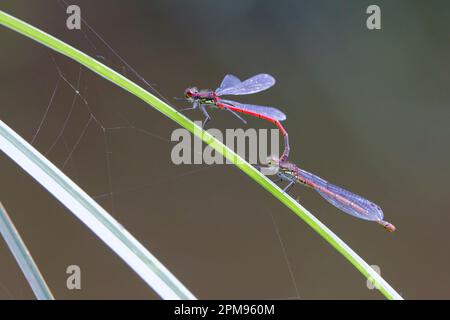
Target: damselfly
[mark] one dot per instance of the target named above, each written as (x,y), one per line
(342,199)
(231,85)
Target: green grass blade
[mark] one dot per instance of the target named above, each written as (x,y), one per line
(116,78)
(92,215)
(23,257)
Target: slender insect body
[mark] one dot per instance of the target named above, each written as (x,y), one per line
(342,199)
(231,85)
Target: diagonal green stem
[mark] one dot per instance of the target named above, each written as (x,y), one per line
(23,257)
(113,234)
(116,78)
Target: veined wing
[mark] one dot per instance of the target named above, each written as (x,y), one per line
(344,200)
(229,81)
(270,112)
(254,84)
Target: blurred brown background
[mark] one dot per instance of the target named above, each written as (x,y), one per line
(367,110)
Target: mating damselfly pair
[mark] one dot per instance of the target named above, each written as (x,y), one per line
(342,199)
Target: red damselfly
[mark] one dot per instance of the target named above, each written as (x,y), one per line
(342,199)
(231,85)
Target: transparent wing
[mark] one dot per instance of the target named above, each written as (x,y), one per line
(344,200)
(255,84)
(270,112)
(228,82)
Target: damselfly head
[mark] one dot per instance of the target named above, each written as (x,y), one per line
(273,161)
(189,93)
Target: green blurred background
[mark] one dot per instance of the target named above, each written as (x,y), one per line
(367,110)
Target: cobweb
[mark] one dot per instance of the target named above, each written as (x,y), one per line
(84,121)
(91,122)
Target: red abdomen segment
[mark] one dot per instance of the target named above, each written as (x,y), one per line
(267,118)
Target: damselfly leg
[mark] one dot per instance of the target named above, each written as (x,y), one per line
(192,107)
(282,176)
(206,114)
(237,115)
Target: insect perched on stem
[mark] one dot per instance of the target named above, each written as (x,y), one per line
(231,85)
(342,199)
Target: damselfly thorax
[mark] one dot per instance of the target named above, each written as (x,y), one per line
(204,97)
